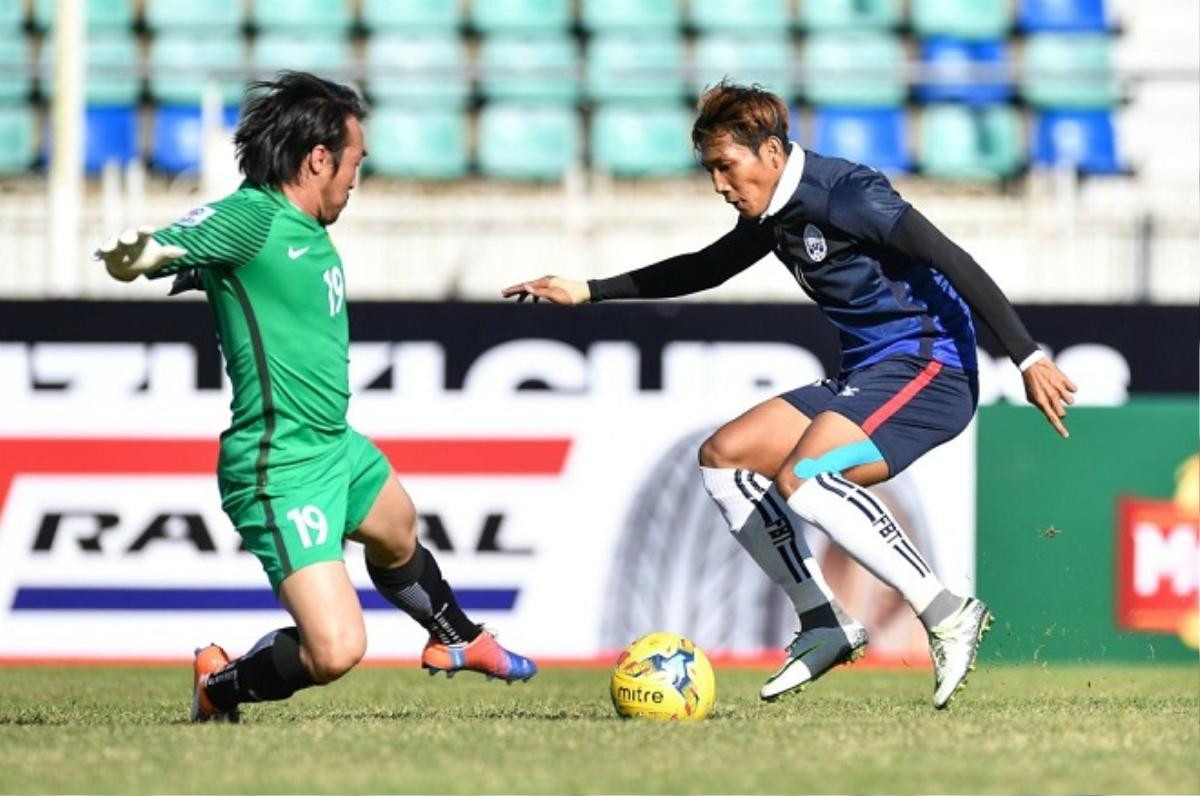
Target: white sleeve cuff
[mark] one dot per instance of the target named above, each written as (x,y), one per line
(1029,361)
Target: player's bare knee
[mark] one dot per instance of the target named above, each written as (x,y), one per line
(331,660)
(718,451)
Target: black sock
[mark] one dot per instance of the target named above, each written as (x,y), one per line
(418,589)
(270,670)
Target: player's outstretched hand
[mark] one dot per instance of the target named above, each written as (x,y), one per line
(554,289)
(1049,389)
(135,252)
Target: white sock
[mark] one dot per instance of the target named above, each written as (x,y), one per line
(860,524)
(760,520)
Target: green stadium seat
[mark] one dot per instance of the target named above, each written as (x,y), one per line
(1069,70)
(12,16)
(102,15)
(198,17)
(764,59)
(418,143)
(724,16)
(964,19)
(849,15)
(958,142)
(521,16)
(326,16)
(641,141)
(527,141)
(112,70)
(18,133)
(412,15)
(647,68)
(529,68)
(854,69)
(325,55)
(630,16)
(16,79)
(182,64)
(429,69)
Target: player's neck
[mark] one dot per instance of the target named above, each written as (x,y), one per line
(304,197)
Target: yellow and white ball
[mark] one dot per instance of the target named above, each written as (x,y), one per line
(663,676)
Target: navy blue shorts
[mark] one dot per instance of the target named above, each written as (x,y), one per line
(906,405)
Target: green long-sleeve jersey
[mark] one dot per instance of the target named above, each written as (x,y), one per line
(277,292)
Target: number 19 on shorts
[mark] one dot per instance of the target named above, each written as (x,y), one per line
(311,526)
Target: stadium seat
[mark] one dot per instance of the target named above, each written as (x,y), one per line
(641,141)
(876,137)
(959,142)
(443,16)
(417,143)
(1062,16)
(849,15)
(521,16)
(527,141)
(1070,70)
(965,19)
(764,59)
(724,16)
(16,78)
(630,16)
(110,134)
(328,55)
(182,63)
(102,15)
(12,17)
(325,16)
(428,69)
(964,71)
(647,68)
(176,143)
(529,68)
(202,18)
(862,69)
(1079,139)
(18,130)
(113,72)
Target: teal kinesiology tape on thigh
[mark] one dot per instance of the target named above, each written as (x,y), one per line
(839,459)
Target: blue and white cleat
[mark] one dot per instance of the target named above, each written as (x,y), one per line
(483,655)
(954,645)
(811,654)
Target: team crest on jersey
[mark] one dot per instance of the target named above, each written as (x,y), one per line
(814,243)
(196,216)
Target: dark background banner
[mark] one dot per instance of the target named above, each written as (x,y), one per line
(1159,343)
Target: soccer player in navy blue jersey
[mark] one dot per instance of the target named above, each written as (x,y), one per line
(900,294)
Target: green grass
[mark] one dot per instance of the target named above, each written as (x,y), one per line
(1053,729)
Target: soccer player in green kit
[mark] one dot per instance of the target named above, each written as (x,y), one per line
(294,477)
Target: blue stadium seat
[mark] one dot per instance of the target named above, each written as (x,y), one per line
(1081,139)
(974,72)
(417,143)
(177,143)
(110,133)
(1062,16)
(527,141)
(876,137)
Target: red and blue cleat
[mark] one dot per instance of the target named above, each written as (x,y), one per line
(483,655)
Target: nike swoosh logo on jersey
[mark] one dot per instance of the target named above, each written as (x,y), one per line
(295,253)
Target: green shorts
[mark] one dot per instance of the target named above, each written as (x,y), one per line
(304,519)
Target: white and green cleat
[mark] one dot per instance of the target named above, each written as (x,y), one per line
(954,645)
(811,654)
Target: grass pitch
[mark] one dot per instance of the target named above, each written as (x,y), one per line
(1052,729)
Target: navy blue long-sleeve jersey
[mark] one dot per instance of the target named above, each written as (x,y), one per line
(883,275)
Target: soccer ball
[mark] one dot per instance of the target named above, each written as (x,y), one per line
(663,676)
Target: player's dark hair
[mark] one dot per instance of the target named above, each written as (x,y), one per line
(747,114)
(285,118)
